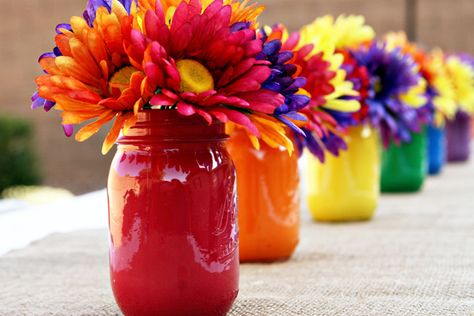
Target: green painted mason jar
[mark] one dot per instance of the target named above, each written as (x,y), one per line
(404,166)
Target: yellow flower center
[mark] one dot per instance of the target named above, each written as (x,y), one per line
(169,15)
(121,79)
(194,76)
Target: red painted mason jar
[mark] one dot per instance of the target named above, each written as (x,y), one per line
(172,218)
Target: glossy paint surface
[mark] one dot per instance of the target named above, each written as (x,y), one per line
(436,149)
(404,166)
(269,205)
(172,218)
(458,134)
(346,188)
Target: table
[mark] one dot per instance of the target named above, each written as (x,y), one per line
(415,258)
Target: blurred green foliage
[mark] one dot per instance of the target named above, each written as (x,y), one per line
(18,163)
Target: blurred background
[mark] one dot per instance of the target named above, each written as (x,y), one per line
(34,148)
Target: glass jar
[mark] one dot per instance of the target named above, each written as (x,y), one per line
(404,166)
(269,205)
(346,188)
(172,218)
(458,134)
(436,149)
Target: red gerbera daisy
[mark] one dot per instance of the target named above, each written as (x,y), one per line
(202,64)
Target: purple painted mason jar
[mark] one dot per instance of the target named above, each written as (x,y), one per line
(458,136)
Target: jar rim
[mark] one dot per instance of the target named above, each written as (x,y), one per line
(172,116)
(159,126)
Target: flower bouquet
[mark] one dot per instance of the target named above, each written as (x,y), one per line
(169,75)
(439,94)
(268,181)
(346,187)
(397,108)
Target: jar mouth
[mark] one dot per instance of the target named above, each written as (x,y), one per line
(171,116)
(167,125)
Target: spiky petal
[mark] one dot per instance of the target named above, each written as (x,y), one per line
(393,75)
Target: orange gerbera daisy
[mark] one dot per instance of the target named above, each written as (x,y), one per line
(89,76)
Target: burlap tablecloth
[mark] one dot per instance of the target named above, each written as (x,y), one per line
(415,258)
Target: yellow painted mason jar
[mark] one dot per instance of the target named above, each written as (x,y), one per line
(346,188)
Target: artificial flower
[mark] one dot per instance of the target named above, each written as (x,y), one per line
(219,69)
(397,91)
(285,80)
(467,59)
(327,87)
(439,92)
(461,75)
(444,99)
(89,76)
(359,76)
(345,32)
(322,65)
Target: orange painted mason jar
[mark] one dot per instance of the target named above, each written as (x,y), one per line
(268,199)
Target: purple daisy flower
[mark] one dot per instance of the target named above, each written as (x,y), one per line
(391,74)
(426,113)
(333,143)
(313,145)
(36,100)
(93,5)
(467,59)
(47,105)
(282,81)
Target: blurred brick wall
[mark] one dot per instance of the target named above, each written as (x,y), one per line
(383,15)
(447,23)
(27,30)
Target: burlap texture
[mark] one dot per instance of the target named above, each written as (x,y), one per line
(415,258)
